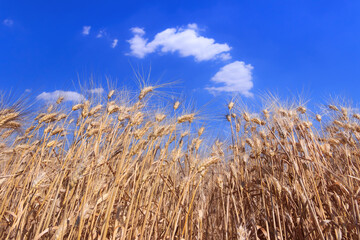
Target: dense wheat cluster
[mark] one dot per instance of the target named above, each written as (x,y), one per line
(117,169)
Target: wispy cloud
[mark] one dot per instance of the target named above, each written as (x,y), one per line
(186,41)
(96,91)
(114,43)
(8,22)
(225,56)
(100,34)
(234,77)
(138,31)
(68,96)
(86,30)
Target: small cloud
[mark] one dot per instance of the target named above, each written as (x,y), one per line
(28,90)
(186,41)
(225,56)
(193,26)
(8,22)
(86,30)
(96,91)
(114,43)
(234,77)
(100,34)
(68,96)
(137,31)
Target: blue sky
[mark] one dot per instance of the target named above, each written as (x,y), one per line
(215,49)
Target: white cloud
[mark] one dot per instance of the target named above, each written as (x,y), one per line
(193,26)
(234,77)
(114,43)
(8,22)
(96,91)
(68,96)
(86,30)
(186,41)
(138,31)
(225,56)
(100,34)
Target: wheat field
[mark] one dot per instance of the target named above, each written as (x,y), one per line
(114,168)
